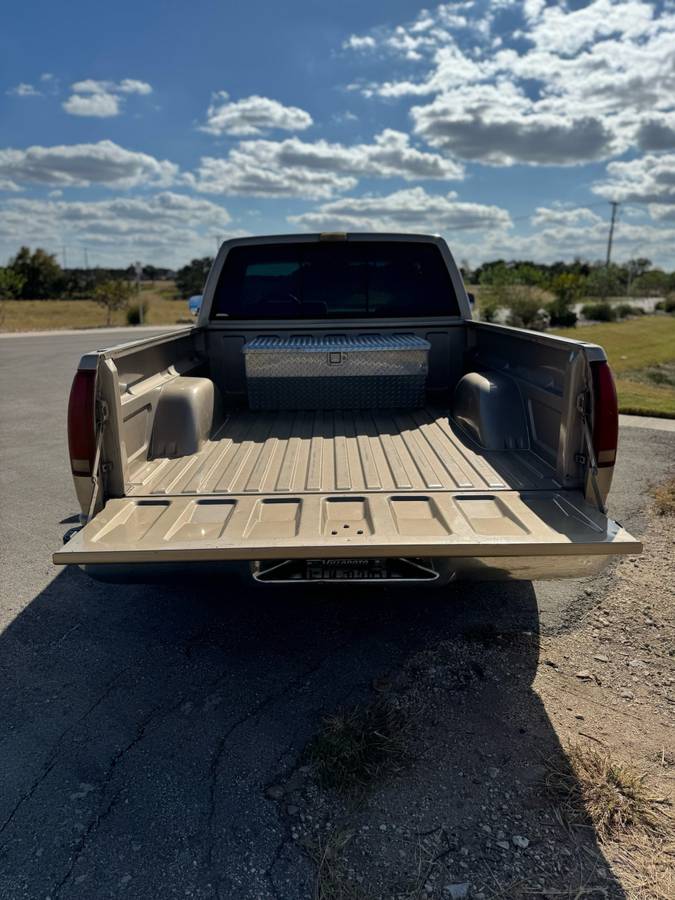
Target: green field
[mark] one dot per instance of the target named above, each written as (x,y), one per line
(642,355)
(45,315)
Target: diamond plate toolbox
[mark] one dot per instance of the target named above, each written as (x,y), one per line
(337,372)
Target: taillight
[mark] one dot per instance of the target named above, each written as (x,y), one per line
(82,422)
(605,414)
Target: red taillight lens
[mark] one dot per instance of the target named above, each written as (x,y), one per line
(605,414)
(81,422)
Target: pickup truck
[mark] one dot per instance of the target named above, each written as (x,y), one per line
(335,413)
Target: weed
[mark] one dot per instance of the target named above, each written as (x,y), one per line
(613,795)
(354,747)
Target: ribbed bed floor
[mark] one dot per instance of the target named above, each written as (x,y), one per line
(333,451)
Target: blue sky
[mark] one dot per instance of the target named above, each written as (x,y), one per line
(151,130)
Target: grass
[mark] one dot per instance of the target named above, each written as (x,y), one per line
(614,796)
(664,494)
(354,747)
(642,354)
(45,315)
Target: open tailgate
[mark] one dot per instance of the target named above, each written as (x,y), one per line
(246,527)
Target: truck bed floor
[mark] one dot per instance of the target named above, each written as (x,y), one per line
(333,451)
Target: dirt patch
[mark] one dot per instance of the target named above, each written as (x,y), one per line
(476,811)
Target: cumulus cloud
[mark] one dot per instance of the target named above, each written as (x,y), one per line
(102,99)
(252,116)
(354,42)
(565,215)
(23,90)
(100,105)
(81,165)
(649,180)
(166,226)
(568,86)
(318,169)
(565,232)
(657,132)
(411,209)
(499,125)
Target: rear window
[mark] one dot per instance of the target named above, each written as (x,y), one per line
(364,279)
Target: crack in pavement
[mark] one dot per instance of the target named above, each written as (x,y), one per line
(52,756)
(222,742)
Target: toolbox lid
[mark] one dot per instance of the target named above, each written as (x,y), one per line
(340,342)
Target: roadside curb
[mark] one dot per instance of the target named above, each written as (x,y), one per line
(652,422)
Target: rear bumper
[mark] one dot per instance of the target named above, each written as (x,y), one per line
(495,568)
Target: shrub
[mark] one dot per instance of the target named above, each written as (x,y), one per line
(627,309)
(562,317)
(134,313)
(599,312)
(667,305)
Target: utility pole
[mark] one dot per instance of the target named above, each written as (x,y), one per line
(615,205)
(86,258)
(64,257)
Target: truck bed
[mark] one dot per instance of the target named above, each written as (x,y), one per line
(333,451)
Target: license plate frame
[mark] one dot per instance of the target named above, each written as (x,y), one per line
(373,570)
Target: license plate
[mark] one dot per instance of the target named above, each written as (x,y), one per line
(375,569)
(347,569)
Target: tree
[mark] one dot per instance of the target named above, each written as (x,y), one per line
(113,295)
(190,279)
(654,282)
(567,288)
(42,275)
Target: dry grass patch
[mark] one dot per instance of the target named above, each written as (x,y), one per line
(332,881)
(355,747)
(664,494)
(614,796)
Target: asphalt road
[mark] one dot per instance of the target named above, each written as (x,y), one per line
(141,725)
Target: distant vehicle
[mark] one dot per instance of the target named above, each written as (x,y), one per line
(338,415)
(195,304)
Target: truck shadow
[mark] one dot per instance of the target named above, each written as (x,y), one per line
(142,725)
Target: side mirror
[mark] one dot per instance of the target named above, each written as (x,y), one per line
(472,298)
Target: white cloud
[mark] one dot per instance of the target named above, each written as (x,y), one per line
(570,86)
(252,116)
(354,42)
(24,90)
(649,180)
(99,105)
(318,169)
(499,125)
(567,232)
(564,215)
(412,209)
(166,227)
(102,99)
(132,86)
(81,165)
